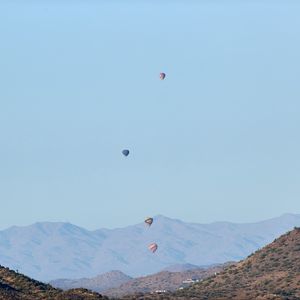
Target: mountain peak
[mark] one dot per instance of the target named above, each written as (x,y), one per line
(99,283)
(162,218)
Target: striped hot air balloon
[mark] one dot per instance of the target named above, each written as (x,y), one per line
(149,221)
(162,76)
(153,247)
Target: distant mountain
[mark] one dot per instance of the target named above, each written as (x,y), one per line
(270,273)
(116,283)
(15,286)
(169,281)
(99,283)
(47,251)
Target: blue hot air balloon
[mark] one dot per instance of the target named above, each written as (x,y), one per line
(125,152)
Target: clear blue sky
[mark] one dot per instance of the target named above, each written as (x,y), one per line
(217,140)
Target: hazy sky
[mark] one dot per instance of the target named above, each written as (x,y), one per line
(219,139)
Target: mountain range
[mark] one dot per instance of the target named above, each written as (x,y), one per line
(47,251)
(272,272)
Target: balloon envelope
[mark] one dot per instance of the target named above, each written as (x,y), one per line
(162,76)
(149,221)
(153,247)
(125,152)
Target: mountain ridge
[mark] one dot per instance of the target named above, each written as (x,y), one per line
(155,217)
(164,280)
(99,283)
(51,250)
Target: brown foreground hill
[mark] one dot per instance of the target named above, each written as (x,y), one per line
(270,273)
(15,286)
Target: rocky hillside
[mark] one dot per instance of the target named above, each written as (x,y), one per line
(15,286)
(99,283)
(272,273)
(164,280)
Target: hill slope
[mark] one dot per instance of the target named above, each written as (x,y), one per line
(14,286)
(270,273)
(180,268)
(46,251)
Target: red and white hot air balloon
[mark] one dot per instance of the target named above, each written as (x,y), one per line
(162,76)
(153,247)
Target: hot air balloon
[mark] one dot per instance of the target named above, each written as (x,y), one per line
(162,76)
(149,221)
(153,247)
(125,152)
